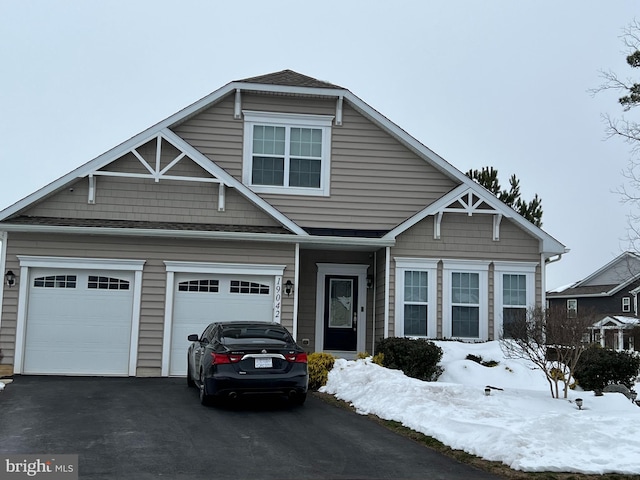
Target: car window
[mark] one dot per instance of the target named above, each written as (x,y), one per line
(254,334)
(207,334)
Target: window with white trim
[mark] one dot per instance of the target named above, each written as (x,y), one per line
(252,288)
(95,282)
(55,281)
(572,308)
(626,304)
(287,153)
(416,297)
(465,308)
(514,301)
(514,293)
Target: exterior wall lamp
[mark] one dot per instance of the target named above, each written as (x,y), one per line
(288,287)
(10,278)
(369,281)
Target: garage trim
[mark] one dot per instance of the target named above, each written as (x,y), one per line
(27,261)
(173,267)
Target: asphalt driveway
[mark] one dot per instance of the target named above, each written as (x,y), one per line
(155,428)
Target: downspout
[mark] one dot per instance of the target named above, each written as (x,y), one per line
(373,307)
(296,279)
(3,264)
(387,265)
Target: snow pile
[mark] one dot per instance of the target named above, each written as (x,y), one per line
(520,426)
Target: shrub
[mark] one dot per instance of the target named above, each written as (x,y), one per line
(417,358)
(378,358)
(599,367)
(484,363)
(319,364)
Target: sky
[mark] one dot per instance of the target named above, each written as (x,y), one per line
(492,83)
(521,425)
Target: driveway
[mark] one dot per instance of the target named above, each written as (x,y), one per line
(155,428)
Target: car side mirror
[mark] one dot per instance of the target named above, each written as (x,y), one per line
(193,337)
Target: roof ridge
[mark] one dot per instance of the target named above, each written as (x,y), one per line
(289,78)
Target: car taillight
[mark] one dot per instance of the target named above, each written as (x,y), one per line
(222,358)
(296,357)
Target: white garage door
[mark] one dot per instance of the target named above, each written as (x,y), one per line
(200,299)
(78,322)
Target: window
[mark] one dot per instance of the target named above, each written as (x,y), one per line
(55,281)
(240,286)
(287,153)
(514,301)
(416,297)
(626,304)
(465,304)
(416,288)
(205,285)
(107,283)
(465,300)
(572,308)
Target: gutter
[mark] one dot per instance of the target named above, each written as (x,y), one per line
(206,235)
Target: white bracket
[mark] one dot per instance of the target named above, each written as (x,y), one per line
(496,226)
(221,197)
(339,111)
(237,106)
(92,190)
(437,220)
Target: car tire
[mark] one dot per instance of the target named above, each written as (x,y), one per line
(299,398)
(205,398)
(190,382)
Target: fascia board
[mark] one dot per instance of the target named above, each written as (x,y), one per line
(191,234)
(230,181)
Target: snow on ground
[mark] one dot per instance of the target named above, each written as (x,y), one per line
(520,426)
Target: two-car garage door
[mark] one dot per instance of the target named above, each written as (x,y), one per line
(78,322)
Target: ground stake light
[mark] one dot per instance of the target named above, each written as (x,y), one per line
(579,403)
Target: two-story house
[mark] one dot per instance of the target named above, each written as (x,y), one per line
(275,198)
(611,292)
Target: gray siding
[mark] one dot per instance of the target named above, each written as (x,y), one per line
(155,252)
(376,182)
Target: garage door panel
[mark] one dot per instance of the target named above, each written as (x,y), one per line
(81,330)
(218,299)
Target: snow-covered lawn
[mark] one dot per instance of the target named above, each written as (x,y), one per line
(520,426)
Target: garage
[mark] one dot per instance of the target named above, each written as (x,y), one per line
(78,322)
(200,299)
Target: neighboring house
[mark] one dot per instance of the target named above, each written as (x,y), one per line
(275,198)
(611,293)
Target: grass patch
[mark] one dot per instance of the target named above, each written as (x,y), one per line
(495,468)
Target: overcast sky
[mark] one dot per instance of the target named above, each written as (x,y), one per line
(502,83)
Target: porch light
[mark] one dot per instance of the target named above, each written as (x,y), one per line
(579,403)
(288,287)
(10,278)
(369,281)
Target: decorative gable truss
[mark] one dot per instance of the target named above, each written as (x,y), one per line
(470,203)
(157,161)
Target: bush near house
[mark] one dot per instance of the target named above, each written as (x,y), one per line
(599,367)
(417,358)
(319,364)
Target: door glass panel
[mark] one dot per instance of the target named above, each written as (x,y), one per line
(340,303)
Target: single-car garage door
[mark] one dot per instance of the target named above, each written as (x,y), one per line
(200,299)
(78,322)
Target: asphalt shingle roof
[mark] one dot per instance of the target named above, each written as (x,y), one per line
(289,78)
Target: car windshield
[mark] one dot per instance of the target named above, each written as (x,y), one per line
(234,335)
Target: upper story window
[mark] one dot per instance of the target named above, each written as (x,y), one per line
(572,308)
(626,304)
(287,153)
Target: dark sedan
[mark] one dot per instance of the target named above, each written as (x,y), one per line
(238,358)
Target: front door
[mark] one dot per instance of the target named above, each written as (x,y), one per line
(341,313)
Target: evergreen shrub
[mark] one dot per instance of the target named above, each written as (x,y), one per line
(417,358)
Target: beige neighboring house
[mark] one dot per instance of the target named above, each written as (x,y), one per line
(275,198)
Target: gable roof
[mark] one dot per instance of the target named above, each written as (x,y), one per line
(292,83)
(608,280)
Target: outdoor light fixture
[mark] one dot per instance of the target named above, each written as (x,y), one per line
(579,403)
(634,395)
(288,287)
(10,278)
(369,281)
(487,391)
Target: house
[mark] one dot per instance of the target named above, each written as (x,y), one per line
(275,198)
(611,293)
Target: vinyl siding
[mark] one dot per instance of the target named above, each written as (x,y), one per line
(376,182)
(154,251)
